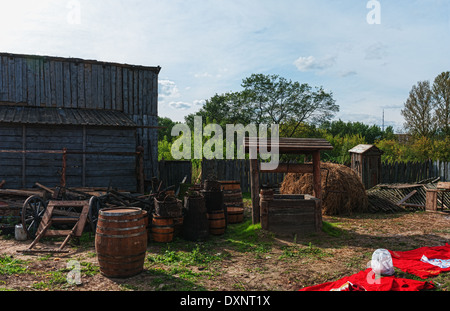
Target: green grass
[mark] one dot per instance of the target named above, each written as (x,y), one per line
(297,251)
(9,265)
(247,237)
(197,256)
(332,229)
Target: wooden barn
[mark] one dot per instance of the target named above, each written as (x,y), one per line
(77,122)
(366,162)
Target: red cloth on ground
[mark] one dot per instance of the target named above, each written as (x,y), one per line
(409,261)
(366,280)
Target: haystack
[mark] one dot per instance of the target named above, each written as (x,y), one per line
(342,191)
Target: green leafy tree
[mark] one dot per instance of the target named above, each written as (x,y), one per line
(441,95)
(270,99)
(165,130)
(418,110)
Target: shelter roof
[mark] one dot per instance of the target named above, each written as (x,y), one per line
(290,145)
(363,148)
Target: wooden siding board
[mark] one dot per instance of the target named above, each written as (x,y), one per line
(40,90)
(74,84)
(119,93)
(107,87)
(12,80)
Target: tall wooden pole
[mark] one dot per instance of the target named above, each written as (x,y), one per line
(254,185)
(317,182)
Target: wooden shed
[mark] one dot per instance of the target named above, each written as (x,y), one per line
(366,162)
(83,119)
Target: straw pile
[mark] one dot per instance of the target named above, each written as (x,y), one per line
(342,191)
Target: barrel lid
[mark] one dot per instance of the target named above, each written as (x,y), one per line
(119,211)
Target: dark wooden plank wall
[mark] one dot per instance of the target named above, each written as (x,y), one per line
(172,173)
(75,83)
(90,170)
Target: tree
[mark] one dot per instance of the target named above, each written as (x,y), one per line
(441,95)
(166,124)
(223,109)
(276,100)
(418,110)
(270,99)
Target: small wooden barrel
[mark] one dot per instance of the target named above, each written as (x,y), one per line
(121,241)
(217,223)
(162,229)
(235,214)
(232,194)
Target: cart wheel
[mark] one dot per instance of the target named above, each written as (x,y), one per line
(94,208)
(32,211)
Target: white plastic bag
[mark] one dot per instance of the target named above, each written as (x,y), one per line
(381,263)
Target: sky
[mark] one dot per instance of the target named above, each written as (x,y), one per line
(367,53)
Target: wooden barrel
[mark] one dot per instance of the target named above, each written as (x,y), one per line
(235,214)
(168,206)
(121,241)
(232,193)
(213,200)
(216,221)
(195,225)
(162,229)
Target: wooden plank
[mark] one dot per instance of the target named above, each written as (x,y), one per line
(100,91)
(88,85)
(74,84)
(113,88)
(409,195)
(40,91)
(12,80)
(119,86)
(107,87)
(47,84)
(59,84)
(255,187)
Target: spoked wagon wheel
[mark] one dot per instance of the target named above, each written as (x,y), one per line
(94,208)
(32,211)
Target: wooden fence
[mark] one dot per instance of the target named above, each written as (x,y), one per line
(172,172)
(414,172)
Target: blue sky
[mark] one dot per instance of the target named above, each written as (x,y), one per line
(208,47)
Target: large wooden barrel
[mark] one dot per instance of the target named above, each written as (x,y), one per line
(217,223)
(121,241)
(163,229)
(195,225)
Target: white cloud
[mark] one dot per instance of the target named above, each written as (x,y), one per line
(168,89)
(180,105)
(311,63)
(199,102)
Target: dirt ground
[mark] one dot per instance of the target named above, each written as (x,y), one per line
(287,265)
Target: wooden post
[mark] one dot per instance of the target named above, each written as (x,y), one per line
(140,169)
(254,186)
(64,167)
(316,175)
(431,200)
(317,182)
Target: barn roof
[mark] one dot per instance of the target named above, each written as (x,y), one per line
(63,116)
(363,148)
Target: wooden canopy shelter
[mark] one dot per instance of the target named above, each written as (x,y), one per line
(306,146)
